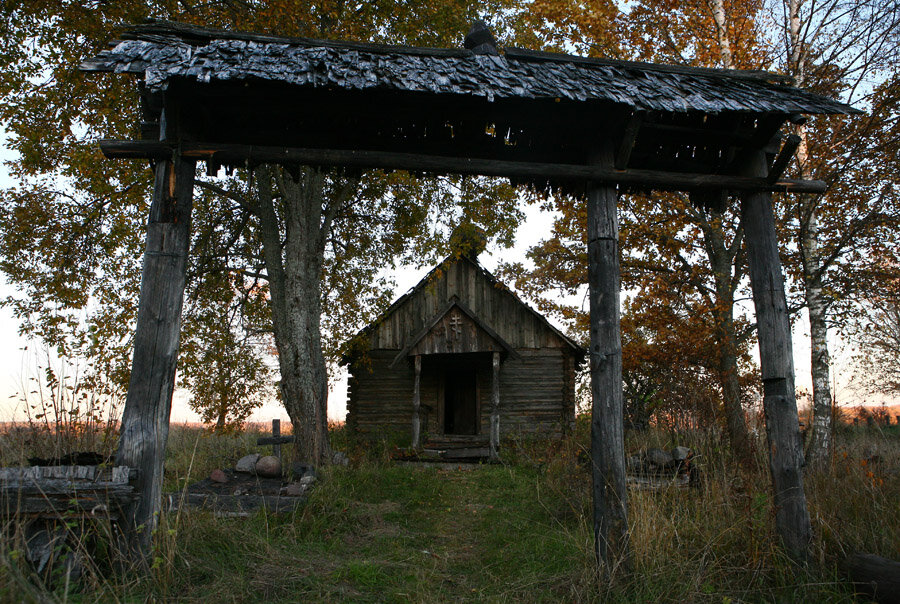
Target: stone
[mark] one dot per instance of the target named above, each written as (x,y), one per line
(299,470)
(218,476)
(295,489)
(659,458)
(680,453)
(634,463)
(340,459)
(307,480)
(247,464)
(268,467)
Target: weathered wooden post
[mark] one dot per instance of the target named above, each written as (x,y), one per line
(417,402)
(145,420)
(276,433)
(607,430)
(495,406)
(777,364)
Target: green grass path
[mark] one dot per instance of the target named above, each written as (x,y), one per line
(394,534)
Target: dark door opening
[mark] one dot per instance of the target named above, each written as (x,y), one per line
(460,402)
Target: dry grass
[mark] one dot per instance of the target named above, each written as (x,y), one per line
(519,532)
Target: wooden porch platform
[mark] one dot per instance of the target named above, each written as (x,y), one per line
(452,448)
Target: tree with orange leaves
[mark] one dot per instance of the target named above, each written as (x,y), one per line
(310,243)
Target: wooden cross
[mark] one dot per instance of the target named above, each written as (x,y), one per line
(455,326)
(276,440)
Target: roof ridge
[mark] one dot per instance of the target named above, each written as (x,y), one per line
(756,75)
(151,29)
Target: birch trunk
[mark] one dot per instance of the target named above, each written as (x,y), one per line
(722,262)
(818,453)
(818,445)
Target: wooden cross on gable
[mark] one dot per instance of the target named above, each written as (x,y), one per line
(455,326)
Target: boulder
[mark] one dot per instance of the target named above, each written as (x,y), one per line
(299,470)
(659,458)
(218,476)
(680,453)
(268,467)
(307,480)
(247,464)
(340,459)
(295,489)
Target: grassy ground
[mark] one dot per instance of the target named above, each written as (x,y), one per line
(519,532)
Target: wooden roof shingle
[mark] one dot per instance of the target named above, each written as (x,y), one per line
(161,51)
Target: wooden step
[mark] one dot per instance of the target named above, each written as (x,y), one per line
(456,441)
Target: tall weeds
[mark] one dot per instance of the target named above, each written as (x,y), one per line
(67,408)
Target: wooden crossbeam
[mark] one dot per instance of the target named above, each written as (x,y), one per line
(650,179)
(274,440)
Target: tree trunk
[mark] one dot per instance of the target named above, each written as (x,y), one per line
(722,263)
(819,441)
(294,250)
(221,416)
(818,447)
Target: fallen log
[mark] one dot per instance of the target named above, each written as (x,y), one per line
(876,576)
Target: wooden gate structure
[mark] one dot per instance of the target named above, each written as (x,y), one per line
(590,127)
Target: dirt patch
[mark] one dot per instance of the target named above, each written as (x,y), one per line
(240,495)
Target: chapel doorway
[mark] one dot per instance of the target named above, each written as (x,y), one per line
(460,401)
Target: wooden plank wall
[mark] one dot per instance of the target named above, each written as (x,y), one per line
(494,305)
(455,333)
(536,395)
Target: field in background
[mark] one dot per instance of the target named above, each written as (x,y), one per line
(517,532)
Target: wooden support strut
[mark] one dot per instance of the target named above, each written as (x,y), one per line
(783,158)
(495,407)
(623,156)
(417,402)
(276,432)
(218,153)
(145,420)
(610,513)
(776,361)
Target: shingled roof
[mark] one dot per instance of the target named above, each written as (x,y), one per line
(161,51)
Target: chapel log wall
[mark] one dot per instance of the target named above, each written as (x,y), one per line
(490,301)
(536,396)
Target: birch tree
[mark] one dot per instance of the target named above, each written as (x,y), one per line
(839,48)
